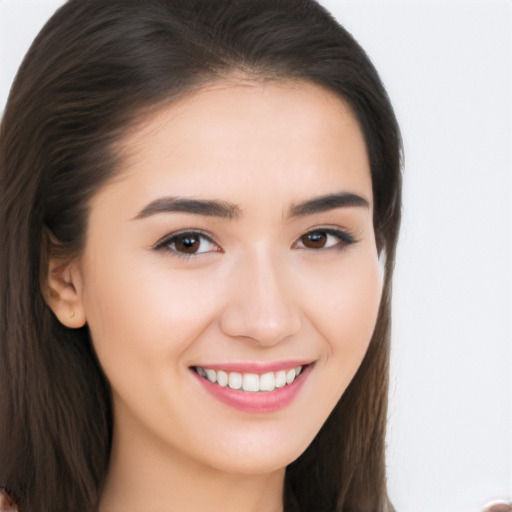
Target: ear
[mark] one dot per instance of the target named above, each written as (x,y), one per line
(63,292)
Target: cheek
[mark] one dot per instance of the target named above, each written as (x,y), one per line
(141,314)
(359,300)
(347,298)
(346,308)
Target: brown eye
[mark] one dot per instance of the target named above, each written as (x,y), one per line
(188,243)
(314,240)
(325,239)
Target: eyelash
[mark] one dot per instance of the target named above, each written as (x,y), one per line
(165,243)
(344,239)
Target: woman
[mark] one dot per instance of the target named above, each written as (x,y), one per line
(200,207)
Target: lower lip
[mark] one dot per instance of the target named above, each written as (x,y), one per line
(256,402)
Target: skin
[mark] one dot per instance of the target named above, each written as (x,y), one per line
(255,292)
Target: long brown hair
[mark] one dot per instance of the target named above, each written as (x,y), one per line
(95,69)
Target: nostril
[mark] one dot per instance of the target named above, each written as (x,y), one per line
(259,324)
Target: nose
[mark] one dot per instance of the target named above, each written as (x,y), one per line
(262,305)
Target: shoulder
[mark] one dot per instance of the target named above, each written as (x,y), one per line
(6,503)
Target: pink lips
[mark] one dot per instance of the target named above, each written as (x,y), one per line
(256,402)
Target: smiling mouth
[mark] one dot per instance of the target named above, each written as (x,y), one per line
(250,382)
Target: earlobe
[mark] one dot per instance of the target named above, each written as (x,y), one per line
(62,293)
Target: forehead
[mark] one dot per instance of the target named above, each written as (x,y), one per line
(287,136)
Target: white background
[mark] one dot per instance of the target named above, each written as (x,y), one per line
(448,69)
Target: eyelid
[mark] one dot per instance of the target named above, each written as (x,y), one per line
(165,241)
(344,235)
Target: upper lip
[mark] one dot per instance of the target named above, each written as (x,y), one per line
(254,366)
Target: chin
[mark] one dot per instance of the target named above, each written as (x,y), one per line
(257,458)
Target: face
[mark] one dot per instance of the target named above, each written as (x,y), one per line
(230,277)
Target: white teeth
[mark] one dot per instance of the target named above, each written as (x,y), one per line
(280,379)
(212,376)
(222,378)
(267,382)
(251,382)
(235,380)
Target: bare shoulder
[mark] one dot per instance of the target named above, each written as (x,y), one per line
(6,503)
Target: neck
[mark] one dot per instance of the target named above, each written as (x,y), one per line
(143,476)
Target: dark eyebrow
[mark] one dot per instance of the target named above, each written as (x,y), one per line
(194,206)
(328,202)
(226,210)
